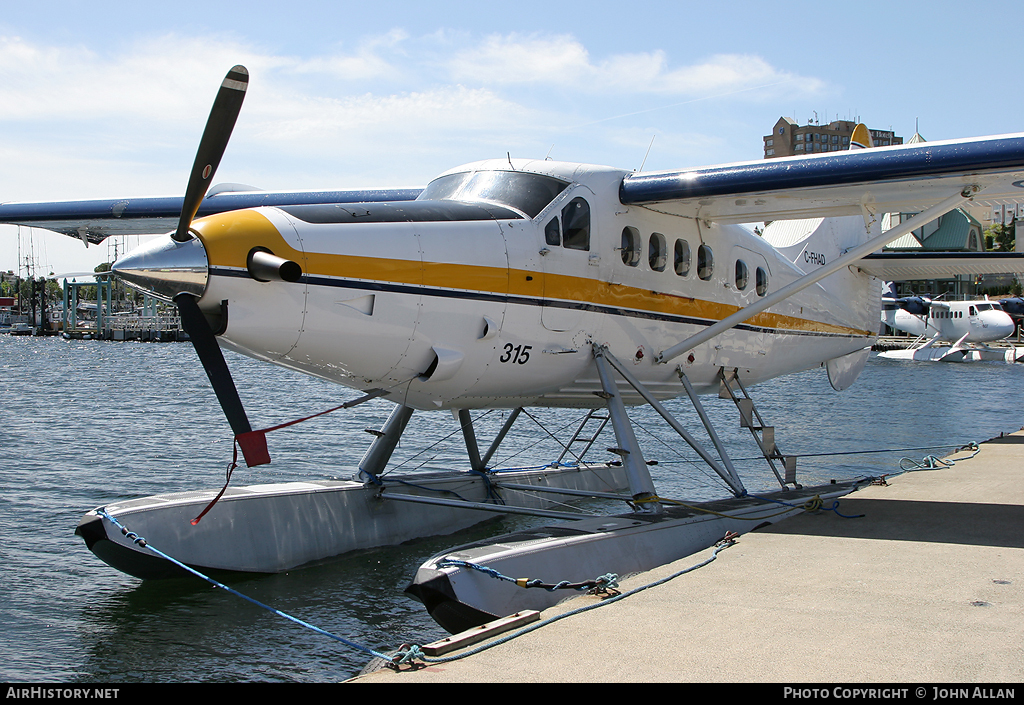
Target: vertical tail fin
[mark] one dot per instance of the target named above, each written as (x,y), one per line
(813,242)
(861,138)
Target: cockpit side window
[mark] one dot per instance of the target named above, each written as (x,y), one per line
(552,233)
(576,225)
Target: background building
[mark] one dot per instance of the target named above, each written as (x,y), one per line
(961,230)
(789,138)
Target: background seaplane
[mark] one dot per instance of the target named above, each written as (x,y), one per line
(967,324)
(510,283)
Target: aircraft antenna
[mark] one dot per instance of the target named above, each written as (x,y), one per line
(645,156)
(509,155)
(548,155)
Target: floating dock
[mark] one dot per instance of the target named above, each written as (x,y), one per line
(927,587)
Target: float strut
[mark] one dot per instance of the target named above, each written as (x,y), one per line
(470,435)
(728,473)
(501,435)
(379,452)
(719,446)
(640,484)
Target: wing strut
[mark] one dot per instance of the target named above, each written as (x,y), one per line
(807,280)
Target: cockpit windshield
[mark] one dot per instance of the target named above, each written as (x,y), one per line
(526,192)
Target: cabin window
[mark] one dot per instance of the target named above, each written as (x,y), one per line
(705,262)
(576,225)
(761,281)
(742,274)
(681,258)
(630,249)
(656,252)
(552,233)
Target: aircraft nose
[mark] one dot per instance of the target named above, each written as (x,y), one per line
(165,268)
(996,324)
(1004,325)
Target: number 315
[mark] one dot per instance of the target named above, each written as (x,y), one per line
(518,354)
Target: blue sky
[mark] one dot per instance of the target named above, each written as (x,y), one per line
(108,99)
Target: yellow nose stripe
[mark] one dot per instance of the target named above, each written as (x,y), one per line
(228,238)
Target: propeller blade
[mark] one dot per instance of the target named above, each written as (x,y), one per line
(1013,306)
(915,305)
(252,443)
(219,125)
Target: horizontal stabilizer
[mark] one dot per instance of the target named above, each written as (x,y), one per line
(903,266)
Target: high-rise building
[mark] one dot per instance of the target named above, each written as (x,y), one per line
(789,138)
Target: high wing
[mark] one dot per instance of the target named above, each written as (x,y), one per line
(929,179)
(95,220)
(898,179)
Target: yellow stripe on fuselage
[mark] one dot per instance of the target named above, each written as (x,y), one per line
(229,237)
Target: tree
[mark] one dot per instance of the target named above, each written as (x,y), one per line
(1000,237)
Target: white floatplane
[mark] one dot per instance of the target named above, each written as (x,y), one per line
(969,324)
(513,283)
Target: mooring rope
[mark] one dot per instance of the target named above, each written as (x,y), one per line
(143,543)
(415,652)
(605,582)
(814,504)
(410,653)
(870,452)
(259,438)
(930,462)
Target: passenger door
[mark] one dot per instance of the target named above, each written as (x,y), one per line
(565,263)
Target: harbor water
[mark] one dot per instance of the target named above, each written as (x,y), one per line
(85,423)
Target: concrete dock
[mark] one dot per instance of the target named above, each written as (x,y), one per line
(927,587)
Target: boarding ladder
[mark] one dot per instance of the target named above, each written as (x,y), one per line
(750,418)
(598,417)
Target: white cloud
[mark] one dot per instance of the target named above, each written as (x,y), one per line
(92,120)
(374,59)
(446,108)
(515,59)
(89,121)
(563,61)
